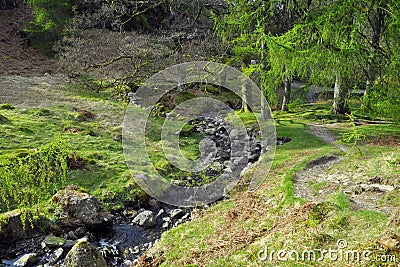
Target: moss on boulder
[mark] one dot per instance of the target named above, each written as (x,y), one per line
(83,254)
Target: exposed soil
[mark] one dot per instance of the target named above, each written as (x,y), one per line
(385,141)
(323,132)
(315,183)
(16,56)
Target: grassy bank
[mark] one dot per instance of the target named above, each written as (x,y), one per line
(244,229)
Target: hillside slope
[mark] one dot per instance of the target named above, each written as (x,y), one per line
(16,56)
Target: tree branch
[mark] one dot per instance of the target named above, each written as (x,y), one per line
(104,64)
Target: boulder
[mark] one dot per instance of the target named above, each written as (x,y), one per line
(177,213)
(55,256)
(52,241)
(83,254)
(80,208)
(27,260)
(145,219)
(11,227)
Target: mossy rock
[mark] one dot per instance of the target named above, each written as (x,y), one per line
(81,208)
(12,228)
(27,260)
(52,241)
(83,254)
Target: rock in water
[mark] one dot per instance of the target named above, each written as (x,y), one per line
(27,260)
(145,219)
(80,208)
(83,254)
(52,241)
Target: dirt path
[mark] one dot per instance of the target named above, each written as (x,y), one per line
(323,132)
(317,181)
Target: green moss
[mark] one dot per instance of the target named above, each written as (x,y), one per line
(320,212)
(3,119)
(7,106)
(83,254)
(43,112)
(18,153)
(52,241)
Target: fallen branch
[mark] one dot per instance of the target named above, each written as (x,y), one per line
(104,64)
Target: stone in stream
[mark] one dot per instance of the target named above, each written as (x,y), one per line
(145,219)
(55,256)
(52,241)
(80,208)
(176,213)
(80,232)
(71,235)
(129,213)
(27,260)
(83,254)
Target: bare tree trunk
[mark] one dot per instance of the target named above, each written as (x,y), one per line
(339,96)
(264,112)
(245,106)
(372,73)
(181,86)
(287,92)
(378,26)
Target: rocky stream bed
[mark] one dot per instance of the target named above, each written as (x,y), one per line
(113,239)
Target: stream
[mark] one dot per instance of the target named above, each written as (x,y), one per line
(120,245)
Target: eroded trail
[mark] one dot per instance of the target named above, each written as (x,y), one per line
(319,180)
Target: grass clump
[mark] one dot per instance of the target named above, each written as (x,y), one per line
(6,106)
